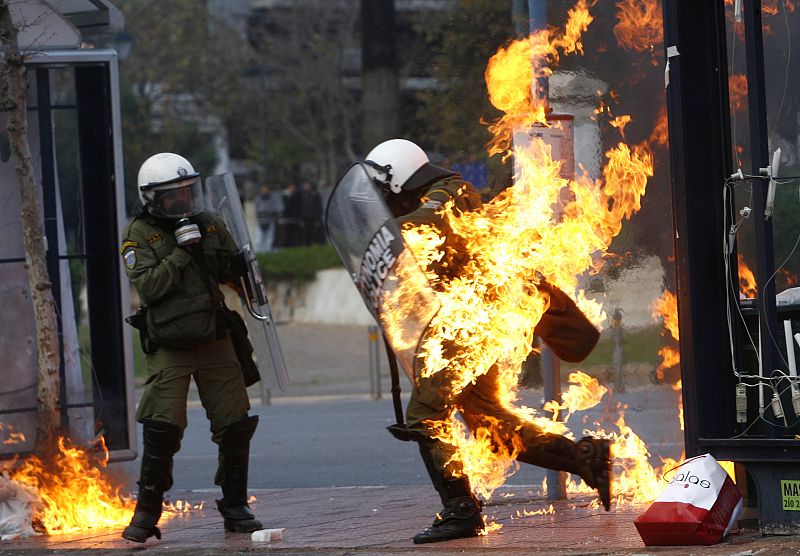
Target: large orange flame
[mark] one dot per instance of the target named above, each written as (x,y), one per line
(639,26)
(512,71)
(489,311)
(76,493)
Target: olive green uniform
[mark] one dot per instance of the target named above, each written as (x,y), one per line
(158,268)
(563,327)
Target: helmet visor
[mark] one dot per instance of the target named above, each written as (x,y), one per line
(175,200)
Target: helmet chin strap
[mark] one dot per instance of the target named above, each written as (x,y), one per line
(385,184)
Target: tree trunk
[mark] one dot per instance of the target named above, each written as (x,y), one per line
(12,99)
(380,97)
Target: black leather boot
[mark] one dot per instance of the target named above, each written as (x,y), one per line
(161,442)
(461,515)
(594,455)
(234,451)
(589,458)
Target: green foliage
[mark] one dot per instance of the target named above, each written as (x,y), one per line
(638,346)
(298,263)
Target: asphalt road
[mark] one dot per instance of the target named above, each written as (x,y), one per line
(324,442)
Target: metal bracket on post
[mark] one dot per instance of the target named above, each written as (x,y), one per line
(551,371)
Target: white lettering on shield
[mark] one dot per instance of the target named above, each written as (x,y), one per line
(376,264)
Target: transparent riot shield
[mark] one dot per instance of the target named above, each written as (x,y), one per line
(222,198)
(368,240)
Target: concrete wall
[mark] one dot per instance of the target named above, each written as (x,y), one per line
(333,299)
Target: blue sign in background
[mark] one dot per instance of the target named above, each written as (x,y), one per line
(477,173)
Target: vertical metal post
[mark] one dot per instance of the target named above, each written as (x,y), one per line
(93,93)
(266,393)
(759,158)
(551,369)
(551,366)
(618,356)
(700,160)
(537,17)
(374,362)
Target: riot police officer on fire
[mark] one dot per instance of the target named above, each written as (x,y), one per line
(176,255)
(416,192)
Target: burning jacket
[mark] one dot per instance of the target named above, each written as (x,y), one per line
(563,327)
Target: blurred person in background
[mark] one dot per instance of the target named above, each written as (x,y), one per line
(269,209)
(311,214)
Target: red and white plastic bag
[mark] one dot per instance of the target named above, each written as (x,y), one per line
(700,505)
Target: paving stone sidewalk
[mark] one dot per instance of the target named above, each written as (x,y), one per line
(334,361)
(382,520)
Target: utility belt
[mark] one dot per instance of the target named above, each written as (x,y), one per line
(179,322)
(207,326)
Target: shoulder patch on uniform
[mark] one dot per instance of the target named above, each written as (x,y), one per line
(439,190)
(154,238)
(126,244)
(130,258)
(212,229)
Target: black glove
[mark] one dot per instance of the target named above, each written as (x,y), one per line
(239,264)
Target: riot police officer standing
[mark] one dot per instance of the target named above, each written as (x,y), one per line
(176,256)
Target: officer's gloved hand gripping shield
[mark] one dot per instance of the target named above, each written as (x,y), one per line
(222,198)
(365,234)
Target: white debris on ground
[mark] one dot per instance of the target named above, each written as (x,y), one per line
(17,505)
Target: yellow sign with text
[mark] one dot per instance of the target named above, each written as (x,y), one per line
(790,494)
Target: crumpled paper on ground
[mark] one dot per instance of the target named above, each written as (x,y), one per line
(18,502)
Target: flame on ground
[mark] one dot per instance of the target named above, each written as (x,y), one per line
(74,490)
(76,493)
(550,510)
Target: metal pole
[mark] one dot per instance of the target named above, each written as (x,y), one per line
(618,356)
(374,362)
(551,369)
(551,366)
(759,158)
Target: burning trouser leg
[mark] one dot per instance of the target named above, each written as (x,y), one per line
(234,459)
(461,510)
(589,458)
(461,513)
(161,441)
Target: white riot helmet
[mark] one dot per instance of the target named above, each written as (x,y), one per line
(399,165)
(169,187)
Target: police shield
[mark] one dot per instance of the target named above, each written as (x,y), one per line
(222,198)
(370,244)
